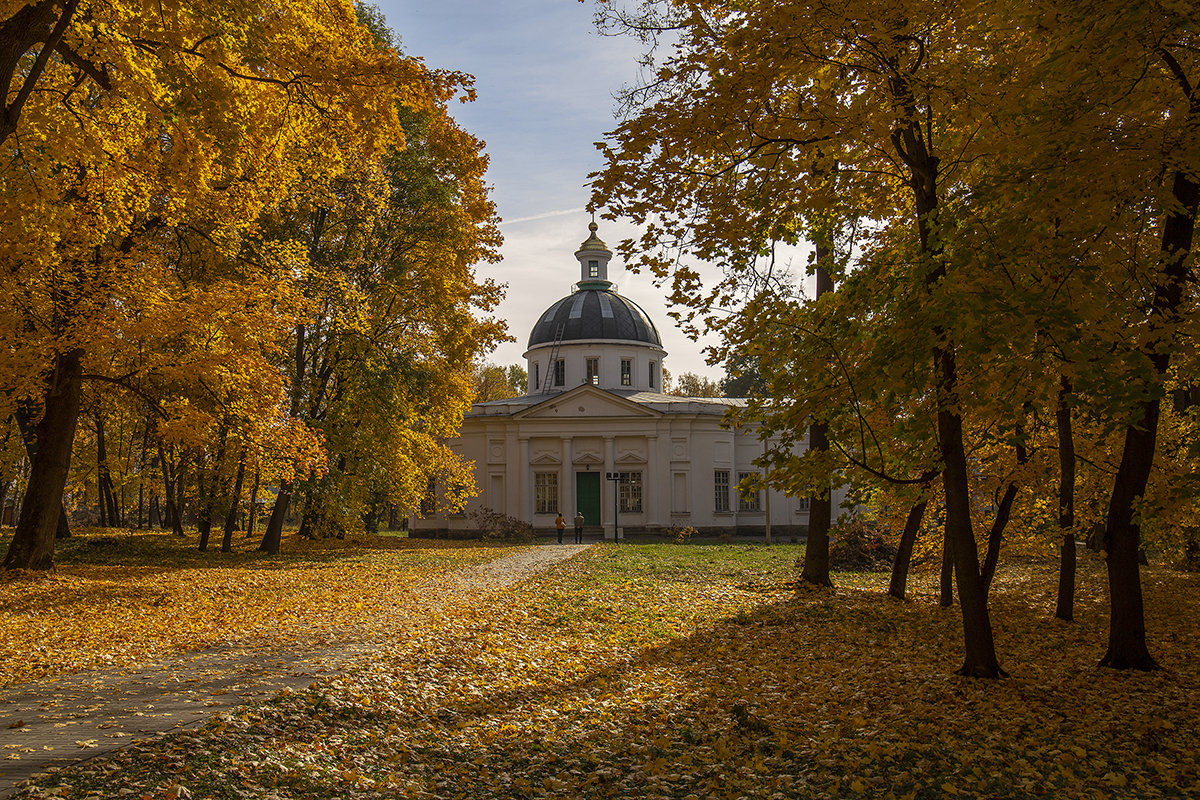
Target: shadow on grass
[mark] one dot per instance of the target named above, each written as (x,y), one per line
(824,694)
(831,694)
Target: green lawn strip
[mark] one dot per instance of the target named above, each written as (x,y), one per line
(614,675)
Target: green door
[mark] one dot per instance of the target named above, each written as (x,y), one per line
(587,490)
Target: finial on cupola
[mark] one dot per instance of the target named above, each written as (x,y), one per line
(594,256)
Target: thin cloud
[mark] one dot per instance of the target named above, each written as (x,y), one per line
(546,215)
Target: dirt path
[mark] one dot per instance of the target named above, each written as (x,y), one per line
(73,718)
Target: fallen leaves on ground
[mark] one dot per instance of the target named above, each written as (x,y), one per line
(689,672)
(118,598)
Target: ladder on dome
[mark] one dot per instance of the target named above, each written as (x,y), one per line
(558,337)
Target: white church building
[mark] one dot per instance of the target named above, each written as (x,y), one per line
(596,433)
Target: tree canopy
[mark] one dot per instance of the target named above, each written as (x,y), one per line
(1016,184)
(186,190)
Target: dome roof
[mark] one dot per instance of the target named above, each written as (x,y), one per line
(594,313)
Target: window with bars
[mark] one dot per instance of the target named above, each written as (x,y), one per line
(593,269)
(429,501)
(753,502)
(629,492)
(626,372)
(721,490)
(545,492)
(593,370)
(560,372)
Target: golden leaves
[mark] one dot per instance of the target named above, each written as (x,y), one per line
(89,615)
(649,671)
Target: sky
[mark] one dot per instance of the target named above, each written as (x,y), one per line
(545,80)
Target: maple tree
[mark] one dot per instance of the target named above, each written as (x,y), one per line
(382,365)
(989,269)
(790,90)
(143,256)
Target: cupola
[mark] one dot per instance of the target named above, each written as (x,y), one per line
(593,256)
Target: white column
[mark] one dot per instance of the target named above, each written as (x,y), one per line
(523,481)
(651,487)
(568,504)
(666,473)
(608,491)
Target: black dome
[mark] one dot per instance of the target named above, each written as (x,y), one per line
(595,314)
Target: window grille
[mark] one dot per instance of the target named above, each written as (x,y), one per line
(721,490)
(629,492)
(752,502)
(545,492)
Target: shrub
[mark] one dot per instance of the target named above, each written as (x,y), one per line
(681,534)
(856,546)
(494,526)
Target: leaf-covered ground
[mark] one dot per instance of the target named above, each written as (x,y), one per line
(117,598)
(696,672)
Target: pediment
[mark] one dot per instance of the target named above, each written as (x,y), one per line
(589,458)
(631,458)
(586,401)
(545,458)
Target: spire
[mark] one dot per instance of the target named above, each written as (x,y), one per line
(594,242)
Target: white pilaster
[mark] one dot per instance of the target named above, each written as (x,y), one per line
(526,488)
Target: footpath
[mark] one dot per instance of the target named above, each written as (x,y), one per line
(70,719)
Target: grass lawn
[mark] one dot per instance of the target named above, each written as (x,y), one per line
(666,671)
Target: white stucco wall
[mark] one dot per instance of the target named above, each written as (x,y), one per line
(676,443)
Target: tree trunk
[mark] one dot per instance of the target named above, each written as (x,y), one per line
(1127,626)
(210,490)
(203,504)
(979,648)
(899,582)
(63,531)
(32,546)
(1065,607)
(274,533)
(180,491)
(252,510)
(310,520)
(946,581)
(234,503)
(171,480)
(1003,513)
(109,514)
(909,143)
(816,548)
(820,510)
(996,536)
